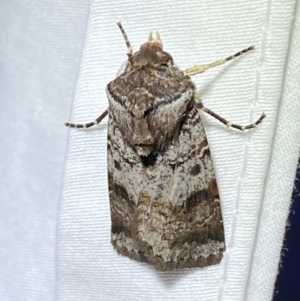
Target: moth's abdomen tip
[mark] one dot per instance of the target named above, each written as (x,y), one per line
(67,124)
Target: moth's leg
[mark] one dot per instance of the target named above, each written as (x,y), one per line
(229,124)
(89,124)
(201,68)
(129,48)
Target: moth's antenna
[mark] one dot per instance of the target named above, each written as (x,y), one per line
(129,48)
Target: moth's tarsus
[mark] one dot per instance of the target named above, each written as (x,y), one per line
(229,124)
(89,124)
(231,57)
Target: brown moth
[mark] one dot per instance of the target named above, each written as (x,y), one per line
(164,199)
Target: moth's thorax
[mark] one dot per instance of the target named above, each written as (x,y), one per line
(149,101)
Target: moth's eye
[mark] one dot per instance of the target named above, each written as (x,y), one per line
(167,63)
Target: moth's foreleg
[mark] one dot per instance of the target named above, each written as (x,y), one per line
(89,124)
(201,68)
(228,123)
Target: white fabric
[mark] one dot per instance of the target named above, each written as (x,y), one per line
(40,51)
(255,170)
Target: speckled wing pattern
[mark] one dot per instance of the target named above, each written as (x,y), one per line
(168,214)
(164,199)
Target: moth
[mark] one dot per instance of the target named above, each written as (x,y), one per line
(164,198)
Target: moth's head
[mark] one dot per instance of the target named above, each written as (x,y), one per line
(154,39)
(151,53)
